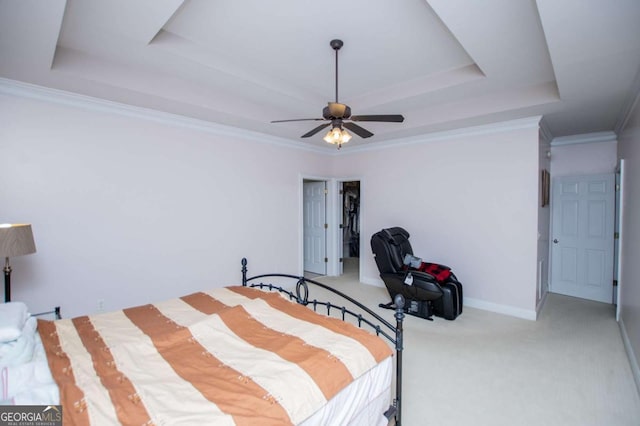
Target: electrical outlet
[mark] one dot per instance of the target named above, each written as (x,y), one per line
(100,305)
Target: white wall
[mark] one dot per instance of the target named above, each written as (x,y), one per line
(468,200)
(629,149)
(584,158)
(126,209)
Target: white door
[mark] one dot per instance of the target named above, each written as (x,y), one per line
(582,221)
(314,230)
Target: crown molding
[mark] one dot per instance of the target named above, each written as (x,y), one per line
(63,97)
(607,136)
(485,129)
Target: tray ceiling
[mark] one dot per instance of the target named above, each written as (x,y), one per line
(443,64)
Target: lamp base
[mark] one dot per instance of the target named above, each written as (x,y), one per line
(7,280)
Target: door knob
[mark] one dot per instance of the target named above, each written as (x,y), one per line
(555,241)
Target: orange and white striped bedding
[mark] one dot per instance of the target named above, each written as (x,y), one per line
(234,355)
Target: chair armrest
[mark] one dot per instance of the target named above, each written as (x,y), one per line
(426,281)
(423,276)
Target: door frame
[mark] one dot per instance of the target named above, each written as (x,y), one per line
(339,234)
(333,217)
(618,265)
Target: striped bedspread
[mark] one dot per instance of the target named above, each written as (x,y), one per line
(231,356)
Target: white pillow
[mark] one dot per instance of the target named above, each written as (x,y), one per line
(12,318)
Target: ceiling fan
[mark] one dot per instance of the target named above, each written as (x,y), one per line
(339,117)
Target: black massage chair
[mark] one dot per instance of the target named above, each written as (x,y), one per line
(429,289)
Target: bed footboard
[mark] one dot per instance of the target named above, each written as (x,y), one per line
(363,315)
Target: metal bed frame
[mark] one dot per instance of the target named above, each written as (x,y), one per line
(381,326)
(55,311)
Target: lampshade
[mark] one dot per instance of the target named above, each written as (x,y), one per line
(16,240)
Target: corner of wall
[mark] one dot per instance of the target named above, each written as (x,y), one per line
(541,302)
(632,101)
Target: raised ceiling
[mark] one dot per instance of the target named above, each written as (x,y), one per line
(443,64)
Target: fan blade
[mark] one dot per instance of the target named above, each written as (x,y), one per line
(316,130)
(298,119)
(394,118)
(360,131)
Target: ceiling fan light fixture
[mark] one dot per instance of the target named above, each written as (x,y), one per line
(333,135)
(337,136)
(346,136)
(328,138)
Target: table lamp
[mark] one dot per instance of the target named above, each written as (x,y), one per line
(15,240)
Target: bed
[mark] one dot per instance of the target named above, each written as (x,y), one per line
(252,354)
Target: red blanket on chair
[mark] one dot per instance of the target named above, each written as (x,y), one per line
(440,272)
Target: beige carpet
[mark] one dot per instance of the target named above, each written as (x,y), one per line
(568,368)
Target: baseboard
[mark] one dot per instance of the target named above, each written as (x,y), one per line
(376,282)
(500,309)
(633,360)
